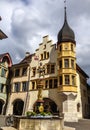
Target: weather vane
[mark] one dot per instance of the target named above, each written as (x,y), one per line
(65,2)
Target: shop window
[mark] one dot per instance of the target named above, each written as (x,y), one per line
(67,80)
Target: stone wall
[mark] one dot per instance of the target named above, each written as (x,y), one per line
(39,124)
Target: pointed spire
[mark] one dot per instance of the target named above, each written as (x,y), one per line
(66,34)
(65,15)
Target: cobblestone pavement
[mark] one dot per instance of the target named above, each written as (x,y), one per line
(83,124)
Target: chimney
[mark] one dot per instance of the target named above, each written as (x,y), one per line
(27,54)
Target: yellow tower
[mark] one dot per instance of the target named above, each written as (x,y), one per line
(66,58)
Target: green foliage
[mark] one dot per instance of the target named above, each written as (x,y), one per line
(29,113)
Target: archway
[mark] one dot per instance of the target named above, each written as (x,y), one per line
(49,106)
(18,105)
(1,106)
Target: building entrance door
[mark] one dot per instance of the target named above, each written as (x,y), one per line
(18,107)
(1,106)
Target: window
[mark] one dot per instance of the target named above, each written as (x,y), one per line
(50,83)
(73,80)
(41,56)
(60,48)
(47,55)
(48,69)
(44,54)
(24,72)
(67,80)
(24,86)
(52,69)
(33,85)
(34,72)
(17,87)
(46,84)
(55,83)
(66,63)
(60,80)
(71,47)
(60,64)
(17,71)
(78,107)
(72,64)
(3,72)
(1,88)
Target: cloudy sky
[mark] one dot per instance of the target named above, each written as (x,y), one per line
(25,22)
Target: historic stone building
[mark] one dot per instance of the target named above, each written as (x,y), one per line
(5,64)
(64,83)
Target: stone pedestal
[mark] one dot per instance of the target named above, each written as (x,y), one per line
(38,123)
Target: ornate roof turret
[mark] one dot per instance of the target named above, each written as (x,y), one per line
(66,34)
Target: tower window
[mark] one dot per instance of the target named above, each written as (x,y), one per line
(67,80)
(72,64)
(71,47)
(73,80)
(60,48)
(66,63)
